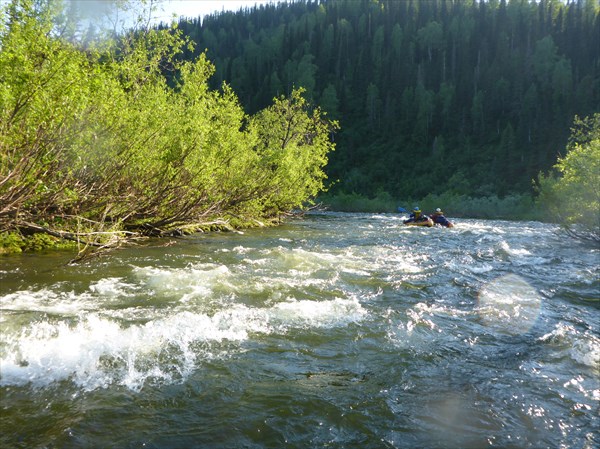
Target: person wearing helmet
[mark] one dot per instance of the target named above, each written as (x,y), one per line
(439,218)
(417,217)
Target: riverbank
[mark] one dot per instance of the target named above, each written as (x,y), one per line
(509,207)
(512,207)
(45,239)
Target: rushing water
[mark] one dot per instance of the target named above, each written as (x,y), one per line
(336,330)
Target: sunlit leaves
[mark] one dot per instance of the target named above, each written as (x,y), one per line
(293,143)
(573,193)
(102,136)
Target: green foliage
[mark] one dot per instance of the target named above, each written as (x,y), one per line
(14,243)
(511,207)
(293,143)
(98,142)
(38,242)
(354,202)
(11,243)
(571,194)
(497,81)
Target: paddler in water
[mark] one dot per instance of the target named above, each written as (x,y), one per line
(438,218)
(416,216)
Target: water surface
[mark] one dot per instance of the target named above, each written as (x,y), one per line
(335,330)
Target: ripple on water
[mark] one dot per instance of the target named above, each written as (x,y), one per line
(342,330)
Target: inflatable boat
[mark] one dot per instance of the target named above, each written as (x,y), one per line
(427,223)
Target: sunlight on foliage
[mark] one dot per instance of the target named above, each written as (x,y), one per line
(572,193)
(96,144)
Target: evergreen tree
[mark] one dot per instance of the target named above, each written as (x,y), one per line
(406,72)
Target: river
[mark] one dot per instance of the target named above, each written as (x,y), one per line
(333,330)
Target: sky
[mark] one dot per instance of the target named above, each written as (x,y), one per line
(164,8)
(195,8)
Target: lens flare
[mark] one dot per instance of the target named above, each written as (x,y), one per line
(509,305)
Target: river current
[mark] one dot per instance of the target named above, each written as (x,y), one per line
(333,330)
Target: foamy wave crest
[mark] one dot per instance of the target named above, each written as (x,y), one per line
(98,351)
(198,279)
(583,347)
(48,301)
(316,314)
(200,285)
(308,262)
(111,287)
(513,251)
(68,302)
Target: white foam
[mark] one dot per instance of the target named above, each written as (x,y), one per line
(417,318)
(306,313)
(46,300)
(98,351)
(582,347)
(111,287)
(419,328)
(513,251)
(193,280)
(559,333)
(398,260)
(479,228)
(68,302)
(468,263)
(303,260)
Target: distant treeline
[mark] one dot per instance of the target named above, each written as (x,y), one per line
(433,96)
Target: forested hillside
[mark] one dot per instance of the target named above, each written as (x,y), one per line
(461,96)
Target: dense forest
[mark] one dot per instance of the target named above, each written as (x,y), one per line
(432,96)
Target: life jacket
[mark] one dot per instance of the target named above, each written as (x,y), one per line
(439,218)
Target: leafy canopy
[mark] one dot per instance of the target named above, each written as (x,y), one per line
(572,193)
(102,137)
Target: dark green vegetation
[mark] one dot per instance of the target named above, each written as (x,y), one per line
(467,99)
(97,147)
